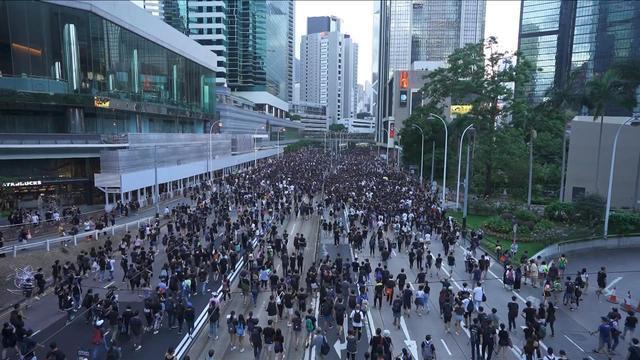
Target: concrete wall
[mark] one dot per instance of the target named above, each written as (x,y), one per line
(555,250)
(583,152)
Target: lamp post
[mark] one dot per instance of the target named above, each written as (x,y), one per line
(278,144)
(433,161)
(446,140)
(633,121)
(466,181)
(531,138)
(567,132)
(459,163)
(421,151)
(156,189)
(210,159)
(255,145)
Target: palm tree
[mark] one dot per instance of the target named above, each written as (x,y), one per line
(603,89)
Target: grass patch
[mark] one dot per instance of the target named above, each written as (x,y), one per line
(473,221)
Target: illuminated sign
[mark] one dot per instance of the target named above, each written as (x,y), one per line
(101,102)
(22,183)
(403,98)
(460,109)
(404,79)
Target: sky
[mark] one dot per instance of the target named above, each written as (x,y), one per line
(502,21)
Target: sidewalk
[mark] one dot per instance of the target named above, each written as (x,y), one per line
(140,214)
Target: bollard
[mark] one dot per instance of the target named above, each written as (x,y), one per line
(15,250)
(48,245)
(75,240)
(126,227)
(113,231)
(96,234)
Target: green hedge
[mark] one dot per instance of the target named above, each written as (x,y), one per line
(624,222)
(559,211)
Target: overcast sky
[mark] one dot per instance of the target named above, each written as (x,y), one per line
(357,19)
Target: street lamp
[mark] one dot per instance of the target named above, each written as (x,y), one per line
(421,151)
(466,180)
(567,133)
(278,144)
(444,172)
(459,163)
(255,145)
(534,134)
(210,159)
(633,121)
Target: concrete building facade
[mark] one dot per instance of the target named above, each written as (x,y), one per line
(583,151)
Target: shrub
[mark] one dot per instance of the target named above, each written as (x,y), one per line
(624,222)
(525,215)
(482,207)
(542,226)
(498,225)
(589,210)
(559,211)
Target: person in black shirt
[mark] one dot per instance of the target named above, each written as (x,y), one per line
(55,353)
(530,313)
(512,312)
(630,324)
(634,350)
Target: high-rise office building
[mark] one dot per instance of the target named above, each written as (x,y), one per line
(249,37)
(202,20)
(440,27)
(328,73)
(585,37)
(317,24)
(280,35)
(419,35)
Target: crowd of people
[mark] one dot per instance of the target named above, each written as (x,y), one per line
(378,211)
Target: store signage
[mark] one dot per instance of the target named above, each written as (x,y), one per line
(101,102)
(22,183)
(460,109)
(392,130)
(404,79)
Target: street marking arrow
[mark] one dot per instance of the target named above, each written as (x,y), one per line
(411,344)
(340,347)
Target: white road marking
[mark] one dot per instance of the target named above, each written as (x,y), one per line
(573,342)
(411,344)
(613,282)
(445,347)
(109,284)
(453,281)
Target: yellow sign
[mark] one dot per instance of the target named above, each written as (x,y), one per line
(460,109)
(101,102)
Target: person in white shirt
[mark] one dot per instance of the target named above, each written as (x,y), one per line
(357,320)
(478,293)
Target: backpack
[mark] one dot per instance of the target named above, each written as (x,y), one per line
(357,317)
(308,324)
(427,350)
(470,306)
(325,348)
(474,334)
(542,331)
(396,306)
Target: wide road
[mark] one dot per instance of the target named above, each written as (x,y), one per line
(202,344)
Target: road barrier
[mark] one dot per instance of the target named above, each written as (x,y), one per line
(81,236)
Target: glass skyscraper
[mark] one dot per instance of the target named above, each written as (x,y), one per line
(583,36)
(279,61)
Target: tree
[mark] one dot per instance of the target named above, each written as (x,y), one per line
(362,115)
(337,127)
(478,74)
(605,89)
(295,117)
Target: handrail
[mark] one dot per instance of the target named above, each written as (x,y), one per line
(75,238)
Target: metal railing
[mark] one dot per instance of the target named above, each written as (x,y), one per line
(64,240)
